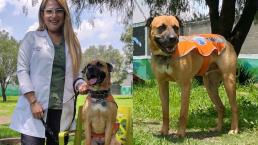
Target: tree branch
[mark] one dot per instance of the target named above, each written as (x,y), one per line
(227,17)
(214,15)
(243,26)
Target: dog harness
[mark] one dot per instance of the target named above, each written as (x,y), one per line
(204,44)
(100,137)
(102,97)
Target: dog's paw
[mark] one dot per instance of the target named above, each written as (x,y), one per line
(215,129)
(164,131)
(233,131)
(180,134)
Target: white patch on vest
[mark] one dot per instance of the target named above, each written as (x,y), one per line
(165,69)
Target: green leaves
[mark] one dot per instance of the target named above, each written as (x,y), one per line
(8,59)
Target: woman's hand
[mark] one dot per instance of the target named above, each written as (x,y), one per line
(36,110)
(35,107)
(83,88)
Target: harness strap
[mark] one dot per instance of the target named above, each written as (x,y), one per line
(102,135)
(205,66)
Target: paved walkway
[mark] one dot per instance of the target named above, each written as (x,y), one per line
(5,119)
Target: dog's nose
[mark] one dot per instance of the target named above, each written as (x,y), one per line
(172,39)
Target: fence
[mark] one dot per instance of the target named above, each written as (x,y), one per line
(12,90)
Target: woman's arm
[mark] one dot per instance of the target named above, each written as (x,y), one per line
(23,73)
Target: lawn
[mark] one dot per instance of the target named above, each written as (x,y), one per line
(147,116)
(6,109)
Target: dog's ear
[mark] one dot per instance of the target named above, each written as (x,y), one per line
(148,21)
(179,21)
(110,67)
(84,70)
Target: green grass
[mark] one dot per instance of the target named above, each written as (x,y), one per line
(6,109)
(6,132)
(147,116)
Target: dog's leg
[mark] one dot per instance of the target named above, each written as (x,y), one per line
(87,128)
(185,94)
(108,131)
(227,65)
(212,82)
(164,97)
(230,87)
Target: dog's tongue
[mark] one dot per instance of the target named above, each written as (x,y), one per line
(92,81)
(169,49)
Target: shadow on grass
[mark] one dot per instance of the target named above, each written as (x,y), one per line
(200,135)
(204,116)
(8,101)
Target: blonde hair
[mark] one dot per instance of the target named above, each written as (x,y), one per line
(71,39)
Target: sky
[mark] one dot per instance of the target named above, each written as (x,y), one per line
(106,30)
(143,14)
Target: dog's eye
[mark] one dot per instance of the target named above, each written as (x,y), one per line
(162,28)
(176,28)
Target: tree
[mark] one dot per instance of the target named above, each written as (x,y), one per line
(8,60)
(107,54)
(223,22)
(123,7)
(126,37)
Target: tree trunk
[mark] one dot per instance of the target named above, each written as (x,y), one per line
(243,26)
(214,15)
(223,23)
(227,17)
(3,92)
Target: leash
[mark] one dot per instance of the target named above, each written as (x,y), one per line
(76,94)
(48,129)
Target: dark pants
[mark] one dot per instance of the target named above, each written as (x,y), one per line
(53,122)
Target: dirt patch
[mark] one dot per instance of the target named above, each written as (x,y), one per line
(10,141)
(5,119)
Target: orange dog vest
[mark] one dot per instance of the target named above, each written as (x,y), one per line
(205,44)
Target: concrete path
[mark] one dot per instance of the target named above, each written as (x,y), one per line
(5,119)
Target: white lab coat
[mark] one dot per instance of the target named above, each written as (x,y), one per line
(34,70)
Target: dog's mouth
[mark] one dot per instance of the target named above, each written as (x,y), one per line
(95,76)
(168,46)
(92,81)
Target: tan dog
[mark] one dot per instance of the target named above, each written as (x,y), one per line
(164,45)
(100,109)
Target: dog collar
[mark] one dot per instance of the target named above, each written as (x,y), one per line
(102,94)
(102,101)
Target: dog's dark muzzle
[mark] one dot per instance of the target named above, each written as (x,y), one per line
(94,75)
(167,43)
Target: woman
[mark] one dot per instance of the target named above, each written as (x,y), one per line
(48,63)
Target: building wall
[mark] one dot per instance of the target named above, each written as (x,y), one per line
(250,45)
